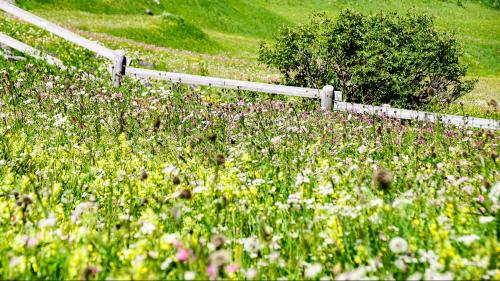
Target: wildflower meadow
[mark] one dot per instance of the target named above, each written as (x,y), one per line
(153,182)
(157,181)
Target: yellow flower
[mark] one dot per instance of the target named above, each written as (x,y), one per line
(56,188)
(336,232)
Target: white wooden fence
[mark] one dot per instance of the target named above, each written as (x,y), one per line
(20,46)
(330,99)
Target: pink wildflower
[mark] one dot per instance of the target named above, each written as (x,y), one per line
(32,242)
(182,255)
(178,244)
(232,268)
(212,271)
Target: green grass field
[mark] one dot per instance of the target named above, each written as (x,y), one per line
(237,27)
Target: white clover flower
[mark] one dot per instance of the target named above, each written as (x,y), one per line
(251,273)
(200,189)
(398,245)
(374,265)
(189,275)
(48,222)
(430,257)
(219,258)
(357,274)
(401,202)
(461,180)
(257,182)
(59,120)
(468,239)
(401,265)
(294,198)
(469,189)
(313,270)
(171,170)
(376,203)
(437,276)
(494,194)
(374,219)
(325,190)
(252,245)
(153,254)
(274,256)
(148,228)
(17,261)
(486,219)
(362,149)
(417,276)
(164,265)
(276,140)
(281,206)
(300,179)
(81,209)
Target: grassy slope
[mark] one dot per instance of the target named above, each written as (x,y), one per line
(237,26)
(234,28)
(223,24)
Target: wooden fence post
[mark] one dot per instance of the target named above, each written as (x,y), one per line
(338,96)
(118,68)
(326,97)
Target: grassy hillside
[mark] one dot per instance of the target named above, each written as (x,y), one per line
(236,27)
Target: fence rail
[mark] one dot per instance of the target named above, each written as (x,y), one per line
(57,30)
(20,46)
(418,115)
(222,83)
(330,99)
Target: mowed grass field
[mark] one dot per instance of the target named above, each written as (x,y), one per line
(222,37)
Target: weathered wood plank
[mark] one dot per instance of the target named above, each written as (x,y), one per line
(57,30)
(327,97)
(462,121)
(222,83)
(20,46)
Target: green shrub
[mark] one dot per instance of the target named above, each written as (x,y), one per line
(374,59)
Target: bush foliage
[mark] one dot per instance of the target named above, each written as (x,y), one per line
(402,60)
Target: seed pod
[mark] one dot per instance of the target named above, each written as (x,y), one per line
(25,201)
(383,179)
(218,241)
(176,180)
(487,185)
(220,159)
(212,137)
(157,125)
(185,194)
